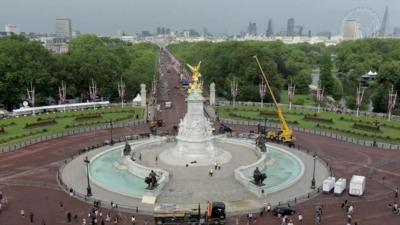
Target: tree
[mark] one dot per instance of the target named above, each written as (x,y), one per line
(302,81)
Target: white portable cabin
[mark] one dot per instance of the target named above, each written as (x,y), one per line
(357,185)
(328,184)
(340,186)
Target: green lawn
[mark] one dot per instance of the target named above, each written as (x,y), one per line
(298,99)
(15,128)
(342,124)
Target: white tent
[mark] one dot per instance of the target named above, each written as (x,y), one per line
(138,98)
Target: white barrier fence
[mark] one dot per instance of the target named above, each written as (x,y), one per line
(312,108)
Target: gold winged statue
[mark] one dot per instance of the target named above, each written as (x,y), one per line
(196,75)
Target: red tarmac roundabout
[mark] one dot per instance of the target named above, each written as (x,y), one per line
(28,179)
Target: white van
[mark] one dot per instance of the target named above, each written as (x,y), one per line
(340,186)
(328,184)
(357,185)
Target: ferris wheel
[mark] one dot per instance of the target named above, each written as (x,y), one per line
(368,20)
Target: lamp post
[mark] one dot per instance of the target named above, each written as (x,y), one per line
(89,189)
(111,133)
(313,175)
(376,129)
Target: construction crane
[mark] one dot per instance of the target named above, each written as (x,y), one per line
(285,135)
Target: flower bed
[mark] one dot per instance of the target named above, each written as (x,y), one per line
(88,117)
(25,135)
(41,123)
(317,119)
(367,127)
(268,113)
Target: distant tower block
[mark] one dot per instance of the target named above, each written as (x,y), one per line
(212,94)
(143,95)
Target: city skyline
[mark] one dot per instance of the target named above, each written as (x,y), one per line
(219,18)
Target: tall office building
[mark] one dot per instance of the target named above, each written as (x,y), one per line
(396,32)
(63,27)
(290,28)
(11,29)
(351,30)
(298,30)
(270,29)
(252,29)
(382,29)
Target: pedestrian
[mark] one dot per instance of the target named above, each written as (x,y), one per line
(269,208)
(69,215)
(102,222)
(76,218)
(137,209)
(300,217)
(396,193)
(351,210)
(61,205)
(22,212)
(31,217)
(211,172)
(108,218)
(83,221)
(349,218)
(133,220)
(216,165)
(290,222)
(115,220)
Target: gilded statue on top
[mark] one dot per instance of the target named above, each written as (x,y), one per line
(196,75)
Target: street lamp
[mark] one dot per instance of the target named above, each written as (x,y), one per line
(89,189)
(313,175)
(376,129)
(111,133)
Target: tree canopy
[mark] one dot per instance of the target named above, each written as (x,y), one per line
(223,62)
(104,60)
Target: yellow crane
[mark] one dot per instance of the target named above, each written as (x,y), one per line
(285,135)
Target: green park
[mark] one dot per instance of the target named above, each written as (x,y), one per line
(349,125)
(27,127)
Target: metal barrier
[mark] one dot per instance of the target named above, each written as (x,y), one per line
(71,131)
(313,108)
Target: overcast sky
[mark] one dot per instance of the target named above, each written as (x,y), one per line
(106,17)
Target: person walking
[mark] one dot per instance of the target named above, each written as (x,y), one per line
(22,212)
(133,220)
(31,217)
(300,217)
(211,172)
(69,215)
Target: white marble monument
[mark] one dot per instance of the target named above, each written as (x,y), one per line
(195,140)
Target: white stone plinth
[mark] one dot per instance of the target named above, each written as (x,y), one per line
(195,141)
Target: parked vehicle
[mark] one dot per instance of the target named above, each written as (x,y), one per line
(283,211)
(328,184)
(357,185)
(171,214)
(340,186)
